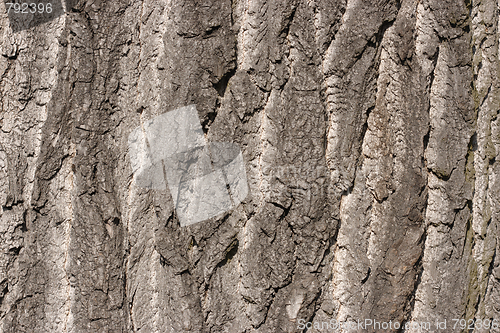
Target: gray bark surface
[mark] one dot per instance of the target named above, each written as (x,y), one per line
(370,133)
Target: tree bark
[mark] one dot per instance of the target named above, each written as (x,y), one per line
(370,134)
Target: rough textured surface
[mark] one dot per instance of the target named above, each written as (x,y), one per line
(370,132)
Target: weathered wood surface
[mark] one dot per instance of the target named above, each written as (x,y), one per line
(370,135)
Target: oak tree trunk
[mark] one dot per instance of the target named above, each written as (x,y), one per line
(370,136)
